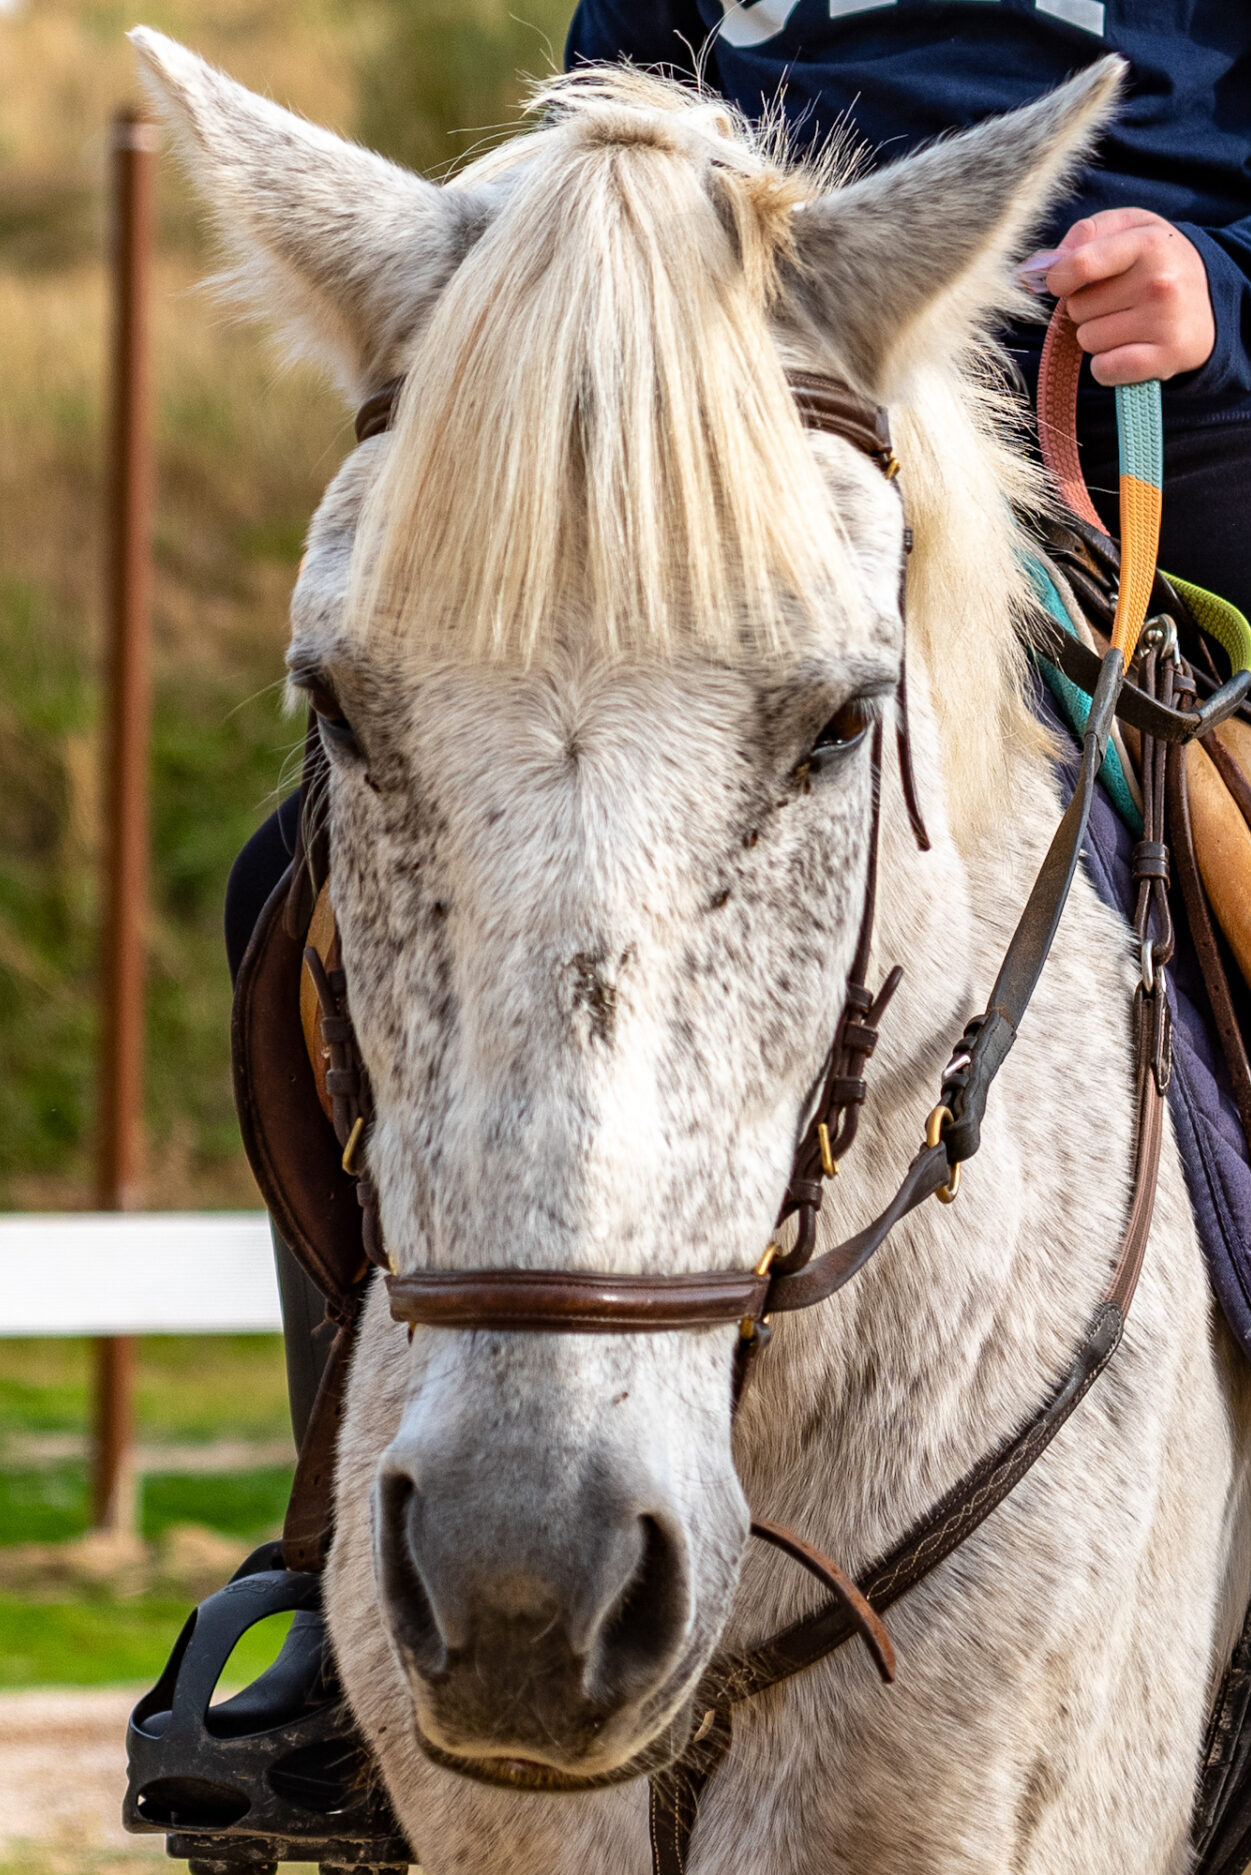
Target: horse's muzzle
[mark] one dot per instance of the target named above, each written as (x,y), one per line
(553,1641)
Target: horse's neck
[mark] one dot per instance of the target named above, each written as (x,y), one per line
(865,1410)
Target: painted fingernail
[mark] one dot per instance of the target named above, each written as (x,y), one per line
(1032,273)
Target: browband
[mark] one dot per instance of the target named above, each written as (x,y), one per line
(825,404)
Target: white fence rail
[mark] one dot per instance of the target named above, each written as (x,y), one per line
(137,1273)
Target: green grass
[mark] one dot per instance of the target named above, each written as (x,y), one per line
(51,1504)
(104,1640)
(46,1506)
(247,1504)
(189,1388)
(75,1631)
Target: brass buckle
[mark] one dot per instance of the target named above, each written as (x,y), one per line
(941,1116)
(747,1327)
(353,1141)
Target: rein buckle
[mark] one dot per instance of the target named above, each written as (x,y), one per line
(940,1117)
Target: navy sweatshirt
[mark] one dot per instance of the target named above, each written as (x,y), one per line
(904,71)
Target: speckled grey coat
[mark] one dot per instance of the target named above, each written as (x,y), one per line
(597,923)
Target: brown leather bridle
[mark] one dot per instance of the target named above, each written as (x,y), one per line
(311,1197)
(577,1302)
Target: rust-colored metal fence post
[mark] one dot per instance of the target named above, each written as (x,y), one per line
(125,794)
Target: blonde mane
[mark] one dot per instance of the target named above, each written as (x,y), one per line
(596,424)
(596,432)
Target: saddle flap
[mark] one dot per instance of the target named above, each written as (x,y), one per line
(290,1143)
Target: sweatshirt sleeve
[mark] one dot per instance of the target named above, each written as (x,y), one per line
(1226,254)
(651,32)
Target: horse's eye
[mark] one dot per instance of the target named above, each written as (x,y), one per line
(845,728)
(334,725)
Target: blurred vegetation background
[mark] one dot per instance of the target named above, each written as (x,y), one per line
(244,449)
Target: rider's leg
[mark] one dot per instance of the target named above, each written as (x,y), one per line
(253,877)
(303,1312)
(1204,535)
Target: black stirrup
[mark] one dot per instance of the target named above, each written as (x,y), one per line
(278,1773)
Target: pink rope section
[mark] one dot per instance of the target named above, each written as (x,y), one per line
(1057,414)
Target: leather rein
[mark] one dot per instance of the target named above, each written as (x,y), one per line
(338,1245)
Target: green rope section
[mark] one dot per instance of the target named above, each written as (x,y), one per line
(1219,620)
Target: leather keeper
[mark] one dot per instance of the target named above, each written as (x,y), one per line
(858,1038)
(1150,860)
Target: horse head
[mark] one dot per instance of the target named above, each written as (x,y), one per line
(598,638)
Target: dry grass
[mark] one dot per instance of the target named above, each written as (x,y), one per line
(67,67)
(243,452)
(241,444)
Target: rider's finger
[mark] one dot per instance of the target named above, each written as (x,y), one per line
(1107,221)
(1119,328)
(1122,293)
(1130,364)
(1101,259)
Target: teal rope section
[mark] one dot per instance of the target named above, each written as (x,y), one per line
(1140,431)
(1074,704)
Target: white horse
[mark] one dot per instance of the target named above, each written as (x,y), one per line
(586,611)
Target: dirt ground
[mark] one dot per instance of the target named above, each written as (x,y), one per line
(62,1772)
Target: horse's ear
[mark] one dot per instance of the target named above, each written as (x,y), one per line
(335,246)
(910,261)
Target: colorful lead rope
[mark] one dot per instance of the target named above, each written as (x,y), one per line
(1140,433)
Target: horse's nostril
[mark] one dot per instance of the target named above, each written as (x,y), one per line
(526,1637)
(647,1619)
(412,1614)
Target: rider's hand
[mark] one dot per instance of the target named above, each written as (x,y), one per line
(1138,294)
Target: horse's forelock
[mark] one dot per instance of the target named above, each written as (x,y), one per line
(597,431)
(597,438)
